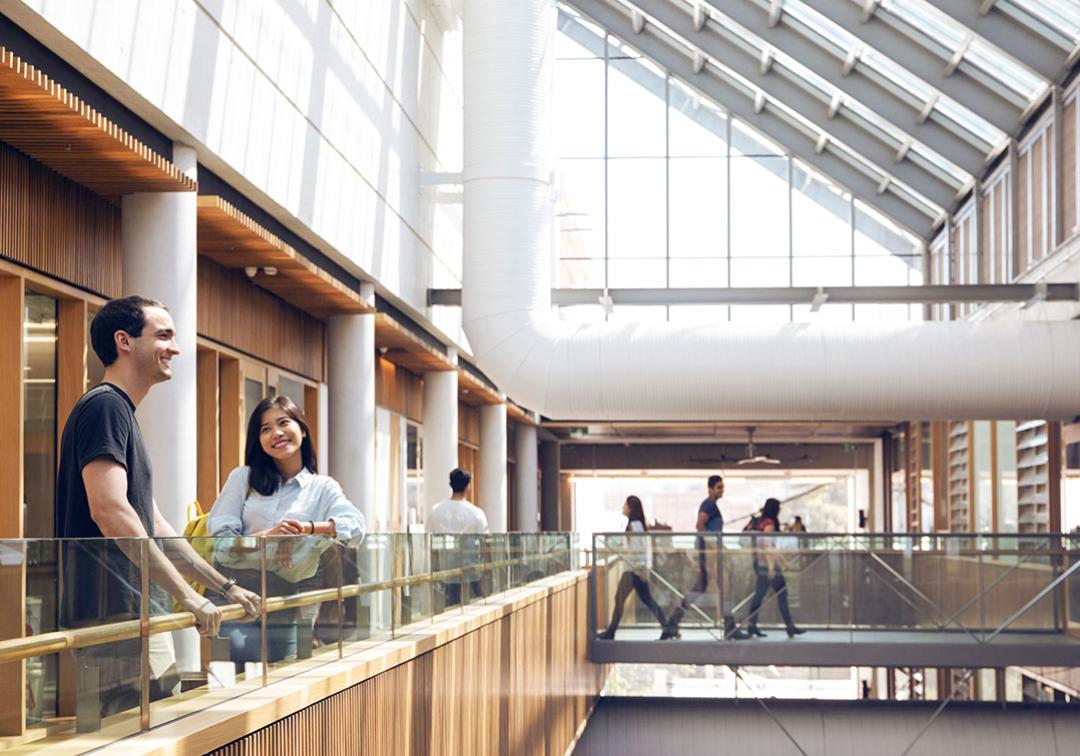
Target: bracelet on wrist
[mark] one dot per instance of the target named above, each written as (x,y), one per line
(312,524)
(224,589)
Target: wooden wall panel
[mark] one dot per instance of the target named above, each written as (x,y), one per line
(468,424)
(235,312)
(73,339)
(519,685)
(399,390)
(231,439)
(1069,135)
(208,453)
(57,227)
(12,574)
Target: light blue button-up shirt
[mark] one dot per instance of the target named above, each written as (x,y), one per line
(306,497)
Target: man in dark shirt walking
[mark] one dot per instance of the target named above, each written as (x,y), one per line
(105,491)
(709,520)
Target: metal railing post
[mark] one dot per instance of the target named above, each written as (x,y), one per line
(264,644)
(144,635)
(340,600)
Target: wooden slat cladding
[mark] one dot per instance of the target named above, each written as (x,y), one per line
(399,390)
(234,240)
(57,227)
(55,127)
(519,685)
(235,312)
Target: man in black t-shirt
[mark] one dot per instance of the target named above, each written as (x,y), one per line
(104,491)
(710,520)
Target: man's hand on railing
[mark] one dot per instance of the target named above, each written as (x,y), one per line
(207,616)
(250,601)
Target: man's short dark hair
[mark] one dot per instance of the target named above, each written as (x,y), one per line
(127,314)
(459,480)
(714,479)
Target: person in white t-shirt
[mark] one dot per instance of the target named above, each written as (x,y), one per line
(637,557)
(457,516)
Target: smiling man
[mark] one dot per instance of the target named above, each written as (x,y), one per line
(105,490)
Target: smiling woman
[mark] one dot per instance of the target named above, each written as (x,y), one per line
(278,493)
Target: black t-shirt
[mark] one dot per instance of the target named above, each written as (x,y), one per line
(100,581)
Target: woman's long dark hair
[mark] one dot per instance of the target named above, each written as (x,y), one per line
(265,477)
(771,511)
(637,512)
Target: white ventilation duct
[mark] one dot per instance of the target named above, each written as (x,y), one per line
(615,371)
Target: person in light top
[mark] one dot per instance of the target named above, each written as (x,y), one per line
(457,516)
(278,492)
(638,559)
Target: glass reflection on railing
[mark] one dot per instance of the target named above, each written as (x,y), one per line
(732,585)
(122,635)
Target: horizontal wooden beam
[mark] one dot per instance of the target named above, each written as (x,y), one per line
(55,127)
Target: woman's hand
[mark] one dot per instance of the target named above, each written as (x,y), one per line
(286,527)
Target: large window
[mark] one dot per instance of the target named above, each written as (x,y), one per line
(658,187)
(39,423)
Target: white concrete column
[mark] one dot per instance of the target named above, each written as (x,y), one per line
(440,439)
(526,486)
(491,493)
(158,232)
(351,408)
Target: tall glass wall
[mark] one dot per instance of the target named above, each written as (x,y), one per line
(660,188)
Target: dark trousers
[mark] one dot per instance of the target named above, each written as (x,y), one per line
(779,586)
(628,583)
(700,585)
(245,638)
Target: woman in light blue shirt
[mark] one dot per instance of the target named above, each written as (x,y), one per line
(278,492)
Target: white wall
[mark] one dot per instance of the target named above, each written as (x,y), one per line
(323,111)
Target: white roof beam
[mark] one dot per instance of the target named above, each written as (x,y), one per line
(884,101)
(672,55)
(1009,35)
(926,179)
(987,102)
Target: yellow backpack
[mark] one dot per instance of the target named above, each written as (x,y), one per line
(198,529)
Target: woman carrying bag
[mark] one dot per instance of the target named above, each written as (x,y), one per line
(768,572)
(278,492)
(634,579)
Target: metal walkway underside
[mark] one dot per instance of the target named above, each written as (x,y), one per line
(862,648)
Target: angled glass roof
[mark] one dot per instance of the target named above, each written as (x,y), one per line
(894,72)
(948,36)
(1056,22)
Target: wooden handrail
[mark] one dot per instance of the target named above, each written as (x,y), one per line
(16,649)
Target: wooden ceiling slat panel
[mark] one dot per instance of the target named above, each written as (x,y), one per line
(406,349)
(53,126)
(234,240)
(475,392)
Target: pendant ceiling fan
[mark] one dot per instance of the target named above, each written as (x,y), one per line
(751,457)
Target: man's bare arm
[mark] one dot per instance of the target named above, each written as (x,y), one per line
(106,493)
(192,566)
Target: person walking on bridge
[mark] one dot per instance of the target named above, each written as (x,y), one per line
(710,520)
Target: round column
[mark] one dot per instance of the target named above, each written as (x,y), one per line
(526,499)
(491,496)
(158,232)
(351,409)
(440,439)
